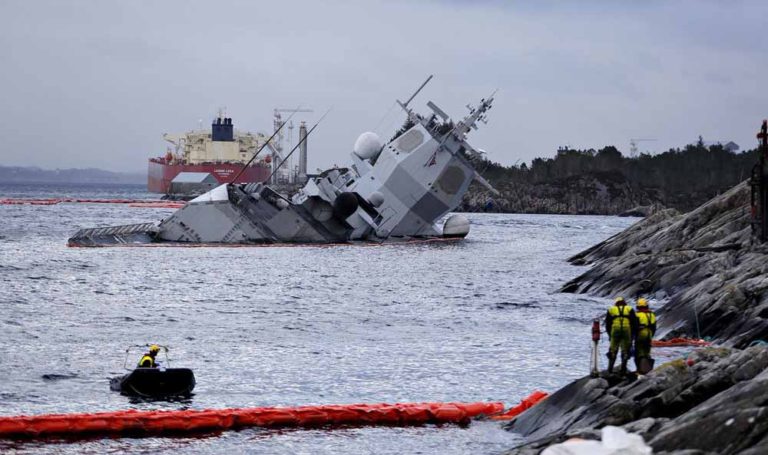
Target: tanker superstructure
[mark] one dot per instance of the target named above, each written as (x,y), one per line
(222,152)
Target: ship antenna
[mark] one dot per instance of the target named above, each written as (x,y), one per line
(405,105)
(262,147)
(298,145)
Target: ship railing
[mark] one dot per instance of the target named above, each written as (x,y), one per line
(126,229)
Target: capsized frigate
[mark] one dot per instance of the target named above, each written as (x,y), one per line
(393,190)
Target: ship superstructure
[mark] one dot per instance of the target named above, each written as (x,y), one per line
(223,152)
(398,189)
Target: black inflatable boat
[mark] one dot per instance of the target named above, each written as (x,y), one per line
(155,382)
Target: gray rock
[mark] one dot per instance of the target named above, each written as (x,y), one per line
(705,262)
(675,407)
(642,210)
(716,279)
(644,427)
(585,194)
(686,452)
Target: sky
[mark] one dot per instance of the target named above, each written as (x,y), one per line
(97,83)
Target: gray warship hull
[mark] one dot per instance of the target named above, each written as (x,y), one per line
(399,189)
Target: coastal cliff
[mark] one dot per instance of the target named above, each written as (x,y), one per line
(704,263)
(715,405)
(714,278)
(601,194)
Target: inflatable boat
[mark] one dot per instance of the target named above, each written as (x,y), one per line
(158,381)
(155,382)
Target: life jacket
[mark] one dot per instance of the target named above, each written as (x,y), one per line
(645,319)
(147,358)
(620,316)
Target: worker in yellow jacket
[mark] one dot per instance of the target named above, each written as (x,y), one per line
(621,325)
(148,359)
(646,329)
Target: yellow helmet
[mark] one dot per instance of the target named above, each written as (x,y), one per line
(642,303)
(619,300)
(154,348)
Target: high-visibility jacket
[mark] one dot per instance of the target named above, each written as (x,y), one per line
(621,318)
(646,323)
(147,361)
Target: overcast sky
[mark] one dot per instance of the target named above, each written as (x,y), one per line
(97,83)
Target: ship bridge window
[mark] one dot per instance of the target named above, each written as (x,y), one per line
(351,182)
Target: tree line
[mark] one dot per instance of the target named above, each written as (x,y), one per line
(682,178)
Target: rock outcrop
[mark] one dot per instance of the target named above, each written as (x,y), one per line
(642,210)
(714,277)
(589,194)
(705,263)
(717,404)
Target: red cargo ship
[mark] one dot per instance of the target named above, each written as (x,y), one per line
(162,172)
(222,153)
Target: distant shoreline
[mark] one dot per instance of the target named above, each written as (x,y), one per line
(69,183)
(19,174)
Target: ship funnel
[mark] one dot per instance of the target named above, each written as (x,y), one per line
(222,130)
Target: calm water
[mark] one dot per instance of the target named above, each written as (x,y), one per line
(475,320)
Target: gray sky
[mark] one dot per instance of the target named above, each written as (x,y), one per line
(97,83)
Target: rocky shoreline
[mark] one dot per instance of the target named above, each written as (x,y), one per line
(578,195)
(714,278)
(704,263)
(716,402)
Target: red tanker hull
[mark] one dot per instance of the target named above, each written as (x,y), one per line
(160,173)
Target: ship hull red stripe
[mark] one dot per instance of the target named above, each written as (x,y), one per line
(160,174)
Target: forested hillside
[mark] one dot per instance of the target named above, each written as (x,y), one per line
(606,182)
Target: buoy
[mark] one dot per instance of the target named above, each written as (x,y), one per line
(160,423)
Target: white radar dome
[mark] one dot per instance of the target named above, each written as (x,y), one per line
(456,226)
(367,145)
(376,199)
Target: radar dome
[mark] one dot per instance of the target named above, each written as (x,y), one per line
(376,199)
(367,145)
(456,226)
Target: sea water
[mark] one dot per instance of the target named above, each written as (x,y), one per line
(474,320)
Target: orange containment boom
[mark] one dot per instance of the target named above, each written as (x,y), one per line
(674,342)
(138,423)
(527,403)
(140,203)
